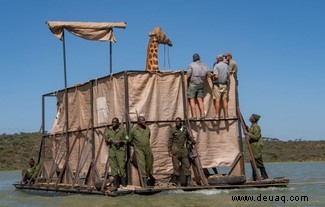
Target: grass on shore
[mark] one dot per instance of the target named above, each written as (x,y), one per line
(16,149)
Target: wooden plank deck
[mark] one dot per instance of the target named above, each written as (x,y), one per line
(61,189)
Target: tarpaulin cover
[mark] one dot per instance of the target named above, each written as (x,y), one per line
(159,98)
(100,31)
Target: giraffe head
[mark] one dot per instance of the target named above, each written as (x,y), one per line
(161,36)
(157,36)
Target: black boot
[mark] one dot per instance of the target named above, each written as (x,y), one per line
(152,180)
(254,175)
(124,181)
(144,182)
(263,173)
(188,180)
(177,180)
(116,182)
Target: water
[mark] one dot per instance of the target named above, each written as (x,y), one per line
(307,181)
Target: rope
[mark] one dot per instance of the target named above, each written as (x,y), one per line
(166,56)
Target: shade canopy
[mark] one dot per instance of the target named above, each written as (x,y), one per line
(100,31)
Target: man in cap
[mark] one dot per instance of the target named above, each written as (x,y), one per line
(220,86)
(255,140)
(197,72)
(233,68)
(116,140)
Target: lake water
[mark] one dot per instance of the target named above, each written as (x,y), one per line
(306,188)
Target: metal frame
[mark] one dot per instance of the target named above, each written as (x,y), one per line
(92,128)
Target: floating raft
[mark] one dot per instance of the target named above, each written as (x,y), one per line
(72,157)
(64,189)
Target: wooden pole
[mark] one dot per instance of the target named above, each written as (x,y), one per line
(110,58)
(67,160)
(66,96)
(136,157)
(233,165)
(128,129)
(55,157)
(78,168)
(47,149)
(105,174)
(196,161)
(127,125)
(94,168)
(240,137)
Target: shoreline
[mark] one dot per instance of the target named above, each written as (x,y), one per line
(247,163)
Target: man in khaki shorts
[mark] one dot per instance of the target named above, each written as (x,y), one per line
(197,72)
(220,86)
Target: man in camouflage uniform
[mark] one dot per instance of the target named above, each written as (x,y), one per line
(255,140)
(177,149)
(31,173)
(140,138)
(116,140)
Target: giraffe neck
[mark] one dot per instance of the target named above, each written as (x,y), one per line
(152,55)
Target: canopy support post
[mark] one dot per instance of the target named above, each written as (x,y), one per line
(92,119)
(40,153)
(66,100)
(110,59)
(240,137)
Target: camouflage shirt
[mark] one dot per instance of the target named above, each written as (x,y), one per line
(140,137)
(117,135)
(255,139)
(177,137)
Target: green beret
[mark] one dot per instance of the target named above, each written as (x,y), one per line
(256,117)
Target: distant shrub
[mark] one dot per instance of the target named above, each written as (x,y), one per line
(15,150)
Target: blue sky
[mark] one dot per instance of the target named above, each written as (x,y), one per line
(279,47)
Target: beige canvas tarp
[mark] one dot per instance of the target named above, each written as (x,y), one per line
(160,99)
(100,31)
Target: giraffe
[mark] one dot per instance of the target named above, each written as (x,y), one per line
(157,36)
